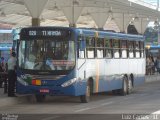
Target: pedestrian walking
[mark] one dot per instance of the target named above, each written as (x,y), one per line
(12,74)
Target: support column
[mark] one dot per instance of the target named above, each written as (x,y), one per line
(35,22)
(141,25)
(100,19)
(122,20)
(35,8)
(72,25)
(72,13)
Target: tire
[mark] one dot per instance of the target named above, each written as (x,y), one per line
(116,92)
(40,98)
(129,86)
(124,86)
(86,98)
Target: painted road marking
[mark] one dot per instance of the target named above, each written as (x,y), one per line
(80,110)
(89,108)
(51,118)
(157,112)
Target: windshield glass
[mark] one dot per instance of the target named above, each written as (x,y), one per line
(46,54)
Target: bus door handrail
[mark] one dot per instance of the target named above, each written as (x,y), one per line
(82,64)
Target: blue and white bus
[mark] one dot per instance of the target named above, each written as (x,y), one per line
(78,62)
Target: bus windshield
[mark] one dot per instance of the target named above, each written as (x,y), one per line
(46,54)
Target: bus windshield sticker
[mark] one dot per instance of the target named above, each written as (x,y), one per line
(60,62)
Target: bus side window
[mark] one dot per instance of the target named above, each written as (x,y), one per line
(137,49)
(124,49)
(90,47)
(100,47)
(131,49)
(81,48)
(142,49)
(116,48)
(108,48)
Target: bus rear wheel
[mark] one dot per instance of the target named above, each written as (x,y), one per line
(40,98)
(130,86)
(86,98)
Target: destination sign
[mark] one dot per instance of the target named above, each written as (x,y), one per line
(44,33)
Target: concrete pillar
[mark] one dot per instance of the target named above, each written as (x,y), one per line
(141,25)
(35,7)
(72,14)
(35,22)
(122,20)
(100,19)
(72,25)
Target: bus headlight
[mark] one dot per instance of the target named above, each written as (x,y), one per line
(69,82)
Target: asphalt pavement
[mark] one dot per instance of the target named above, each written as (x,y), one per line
(7,101)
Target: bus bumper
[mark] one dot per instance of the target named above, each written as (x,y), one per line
(72,90)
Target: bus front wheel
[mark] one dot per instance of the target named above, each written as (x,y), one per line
(86,98)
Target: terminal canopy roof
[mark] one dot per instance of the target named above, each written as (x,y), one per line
(83,13)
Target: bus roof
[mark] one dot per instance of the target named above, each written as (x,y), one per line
(111,35)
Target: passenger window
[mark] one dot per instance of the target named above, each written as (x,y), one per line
(108,48)
(81,49)
(100,48)
(116,48)
(124,48)
(131,49)
(116,44)
(108,53)
(90,50)
(142,49)
(107,43)
(90,42)
(137,49)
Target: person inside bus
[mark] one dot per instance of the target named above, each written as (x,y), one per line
(49,54)
(65,54)
(12,74)
(49,59)
(39,61)
(58,54)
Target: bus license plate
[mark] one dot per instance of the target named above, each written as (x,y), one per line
(44,91)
